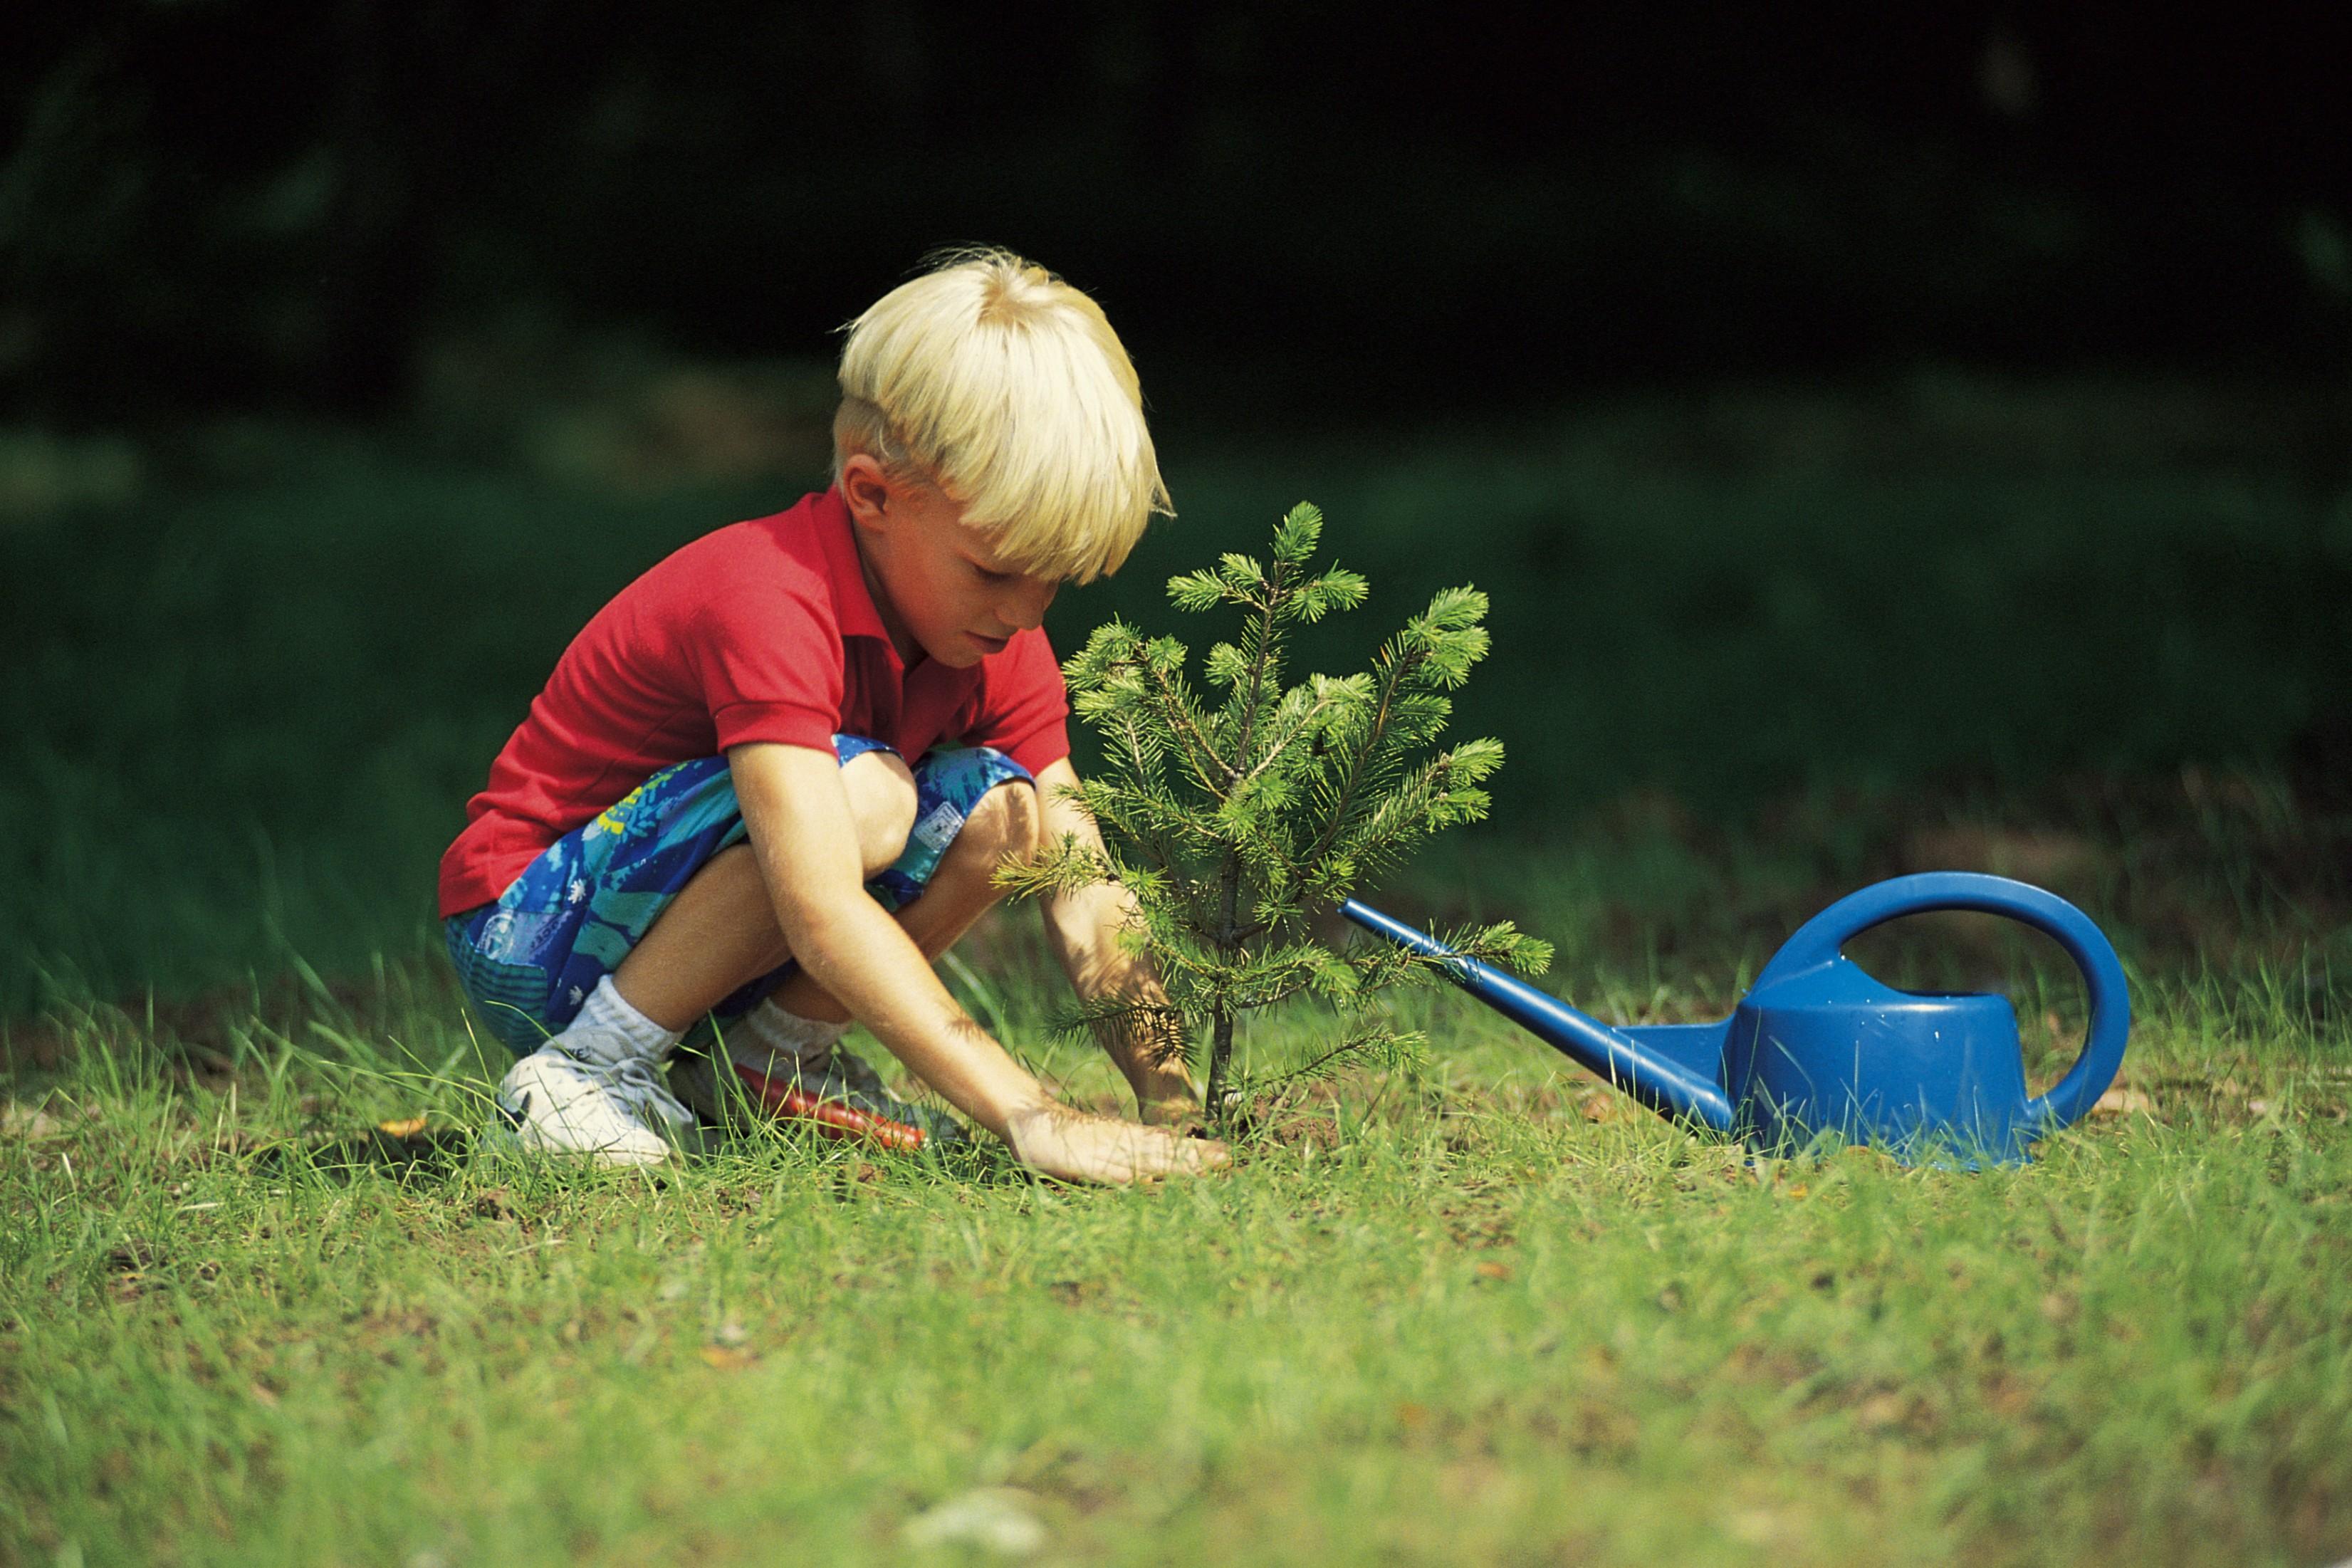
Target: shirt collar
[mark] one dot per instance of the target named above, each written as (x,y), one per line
(853,602)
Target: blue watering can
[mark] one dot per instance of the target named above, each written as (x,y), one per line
(1821,1045)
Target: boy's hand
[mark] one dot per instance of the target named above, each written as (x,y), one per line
(1177,1106)
(1056,1141)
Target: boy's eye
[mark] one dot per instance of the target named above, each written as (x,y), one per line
(986,576)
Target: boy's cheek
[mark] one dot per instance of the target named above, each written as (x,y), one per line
(932,617)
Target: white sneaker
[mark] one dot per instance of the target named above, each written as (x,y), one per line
(559,1101)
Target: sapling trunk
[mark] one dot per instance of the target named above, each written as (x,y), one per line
(1220,1039)
(1220,1053)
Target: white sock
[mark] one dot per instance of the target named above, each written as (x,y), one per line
(611,1030)
(782,1039)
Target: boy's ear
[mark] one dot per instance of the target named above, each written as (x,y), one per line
(865,487)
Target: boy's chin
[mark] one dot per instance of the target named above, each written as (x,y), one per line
(956,650)
(961,650)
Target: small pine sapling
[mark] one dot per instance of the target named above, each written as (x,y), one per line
(1232,819)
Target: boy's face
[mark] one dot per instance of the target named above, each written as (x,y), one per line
(938,585)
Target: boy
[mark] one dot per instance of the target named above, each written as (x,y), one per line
(769,782)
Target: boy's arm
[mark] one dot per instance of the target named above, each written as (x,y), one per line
(801,829)
(1083,926)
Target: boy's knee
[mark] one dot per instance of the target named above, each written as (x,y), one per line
(1004,824)
(882,803)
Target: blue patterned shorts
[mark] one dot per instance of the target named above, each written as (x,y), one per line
(528,961)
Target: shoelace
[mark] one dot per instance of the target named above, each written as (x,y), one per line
(634,1084)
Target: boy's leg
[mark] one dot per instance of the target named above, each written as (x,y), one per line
(720,934)
(540,963)
(976,807)
(1004,824)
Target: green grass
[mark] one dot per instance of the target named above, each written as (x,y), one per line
(1752,651)
(1482,1313)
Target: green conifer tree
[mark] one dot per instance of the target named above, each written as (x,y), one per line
(1233,820)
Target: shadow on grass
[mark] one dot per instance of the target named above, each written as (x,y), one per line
(429,1155)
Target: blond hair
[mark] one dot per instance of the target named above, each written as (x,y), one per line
(1006,386)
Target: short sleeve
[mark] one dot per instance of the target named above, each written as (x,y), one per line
(768,663)
(1023,710)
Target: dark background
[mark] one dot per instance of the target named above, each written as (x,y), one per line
(265,202)
(1893,442)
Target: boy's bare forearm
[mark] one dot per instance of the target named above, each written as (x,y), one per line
(861,955)
(801,830)
(1146,1040)
(1087,927)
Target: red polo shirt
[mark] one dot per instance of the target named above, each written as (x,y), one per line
(761,631)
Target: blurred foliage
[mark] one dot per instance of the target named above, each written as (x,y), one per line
(246,700)
(613,410)
(41,474)
(1737,589)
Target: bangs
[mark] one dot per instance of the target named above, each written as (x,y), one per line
(1009,387)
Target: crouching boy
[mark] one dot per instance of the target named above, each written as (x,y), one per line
(770,781)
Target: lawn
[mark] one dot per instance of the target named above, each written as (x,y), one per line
(261,1300)
(1485,1312)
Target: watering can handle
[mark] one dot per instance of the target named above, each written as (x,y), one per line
(1819,939)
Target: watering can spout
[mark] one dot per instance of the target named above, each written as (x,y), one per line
(1674,1070)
